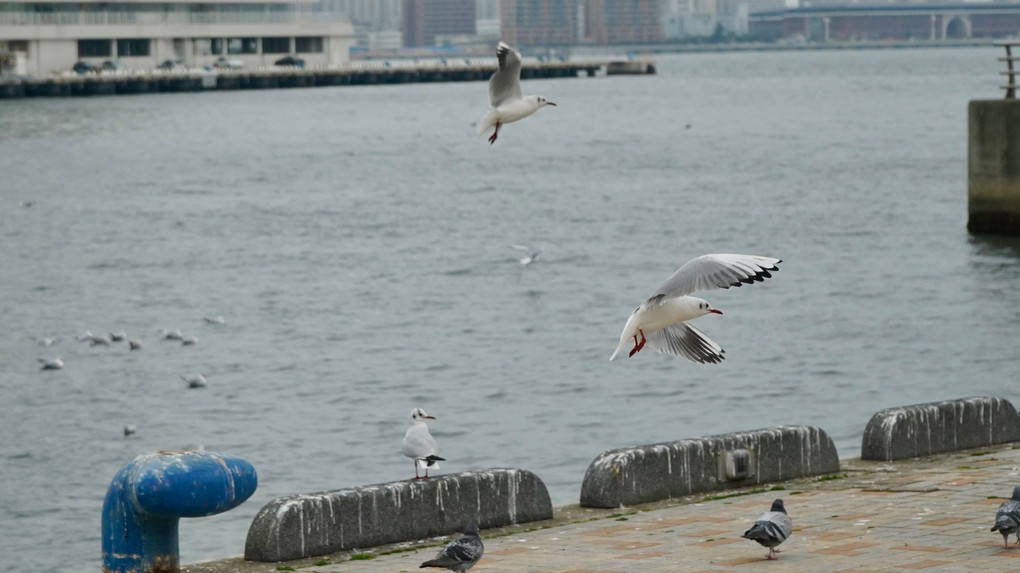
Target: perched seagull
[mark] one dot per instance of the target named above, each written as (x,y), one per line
(195,381)
(531,255)
(189,340)
(129,429)
(55,364)
(134,344)
(507,102)
(213,320)
(419,443)
(661,320)
(461,554)
(771,528)
(1007,518)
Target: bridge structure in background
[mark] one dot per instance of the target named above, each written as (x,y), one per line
(935,22)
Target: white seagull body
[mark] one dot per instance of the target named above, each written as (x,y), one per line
(419,444)
(195,381)
(55,364)
(661,320)
(507,103)
(530,256)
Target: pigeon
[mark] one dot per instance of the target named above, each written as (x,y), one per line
(1007,518)
(531,255)
(508,103)
(461,554)
(419,444)
(661,321)
(195,381)
(55,364)
(771,528)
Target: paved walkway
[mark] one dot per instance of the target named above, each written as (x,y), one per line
(926,515)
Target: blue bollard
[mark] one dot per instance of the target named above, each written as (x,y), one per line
(149,495)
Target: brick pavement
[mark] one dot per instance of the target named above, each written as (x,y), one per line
(923,515)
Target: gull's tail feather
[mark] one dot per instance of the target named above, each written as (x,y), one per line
(488,122)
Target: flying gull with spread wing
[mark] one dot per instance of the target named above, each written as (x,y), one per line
(508,103)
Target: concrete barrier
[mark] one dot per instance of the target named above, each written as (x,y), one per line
(924,429)
(299,526)
(993,167)
(662,471)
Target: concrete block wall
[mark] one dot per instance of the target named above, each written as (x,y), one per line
(661,471)
(993,167)
(925,429)
(299,526)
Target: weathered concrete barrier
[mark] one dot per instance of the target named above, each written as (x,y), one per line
(661,471)
(993,167)
(299,526)
(924,429)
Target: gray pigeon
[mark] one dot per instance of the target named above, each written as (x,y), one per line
(461,554)
(771,528)
(1007,518)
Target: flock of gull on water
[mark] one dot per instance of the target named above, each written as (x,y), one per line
(660,322)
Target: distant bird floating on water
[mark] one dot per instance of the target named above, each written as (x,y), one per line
(55,364)
(129,429)
(661,320)
(46,341)
(117,336)
(419,444)
(771,528)
(508,103)
(531,255)
(134,345)
(213,320)
(460,554)
(1007,518)
(171,334)
(189,340)
(195,381)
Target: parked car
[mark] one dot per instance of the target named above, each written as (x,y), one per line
(228,63)
(83,67)
(290,61)
(115,66)
(172,65)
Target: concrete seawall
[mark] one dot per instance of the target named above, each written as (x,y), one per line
(661,471)
(935,427)
(993,167)
(300,526)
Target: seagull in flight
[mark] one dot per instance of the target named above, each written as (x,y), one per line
(531,255)
(661,321)
(419,444)
(508,103)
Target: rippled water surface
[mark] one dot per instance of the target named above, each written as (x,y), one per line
(356,241)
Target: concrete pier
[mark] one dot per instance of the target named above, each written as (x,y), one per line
(366,73)
(993,167)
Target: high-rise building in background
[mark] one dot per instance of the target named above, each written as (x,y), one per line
(622,21)
(425,22)
(540,22)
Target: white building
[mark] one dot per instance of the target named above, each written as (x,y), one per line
(49,36)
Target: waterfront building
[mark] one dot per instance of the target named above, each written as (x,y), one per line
(425,21)
(50,36)
(622,21)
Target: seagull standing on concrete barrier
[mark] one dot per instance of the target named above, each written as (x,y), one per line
(461,554)
(1007,518)
(661,320)
(771,528)
(508,103)
(419,444)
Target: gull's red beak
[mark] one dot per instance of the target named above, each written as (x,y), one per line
(433,417)
(716,310)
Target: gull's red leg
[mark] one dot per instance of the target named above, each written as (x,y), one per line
(637,345)
(495,134)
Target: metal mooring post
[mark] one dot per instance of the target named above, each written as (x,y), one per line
(149,495)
